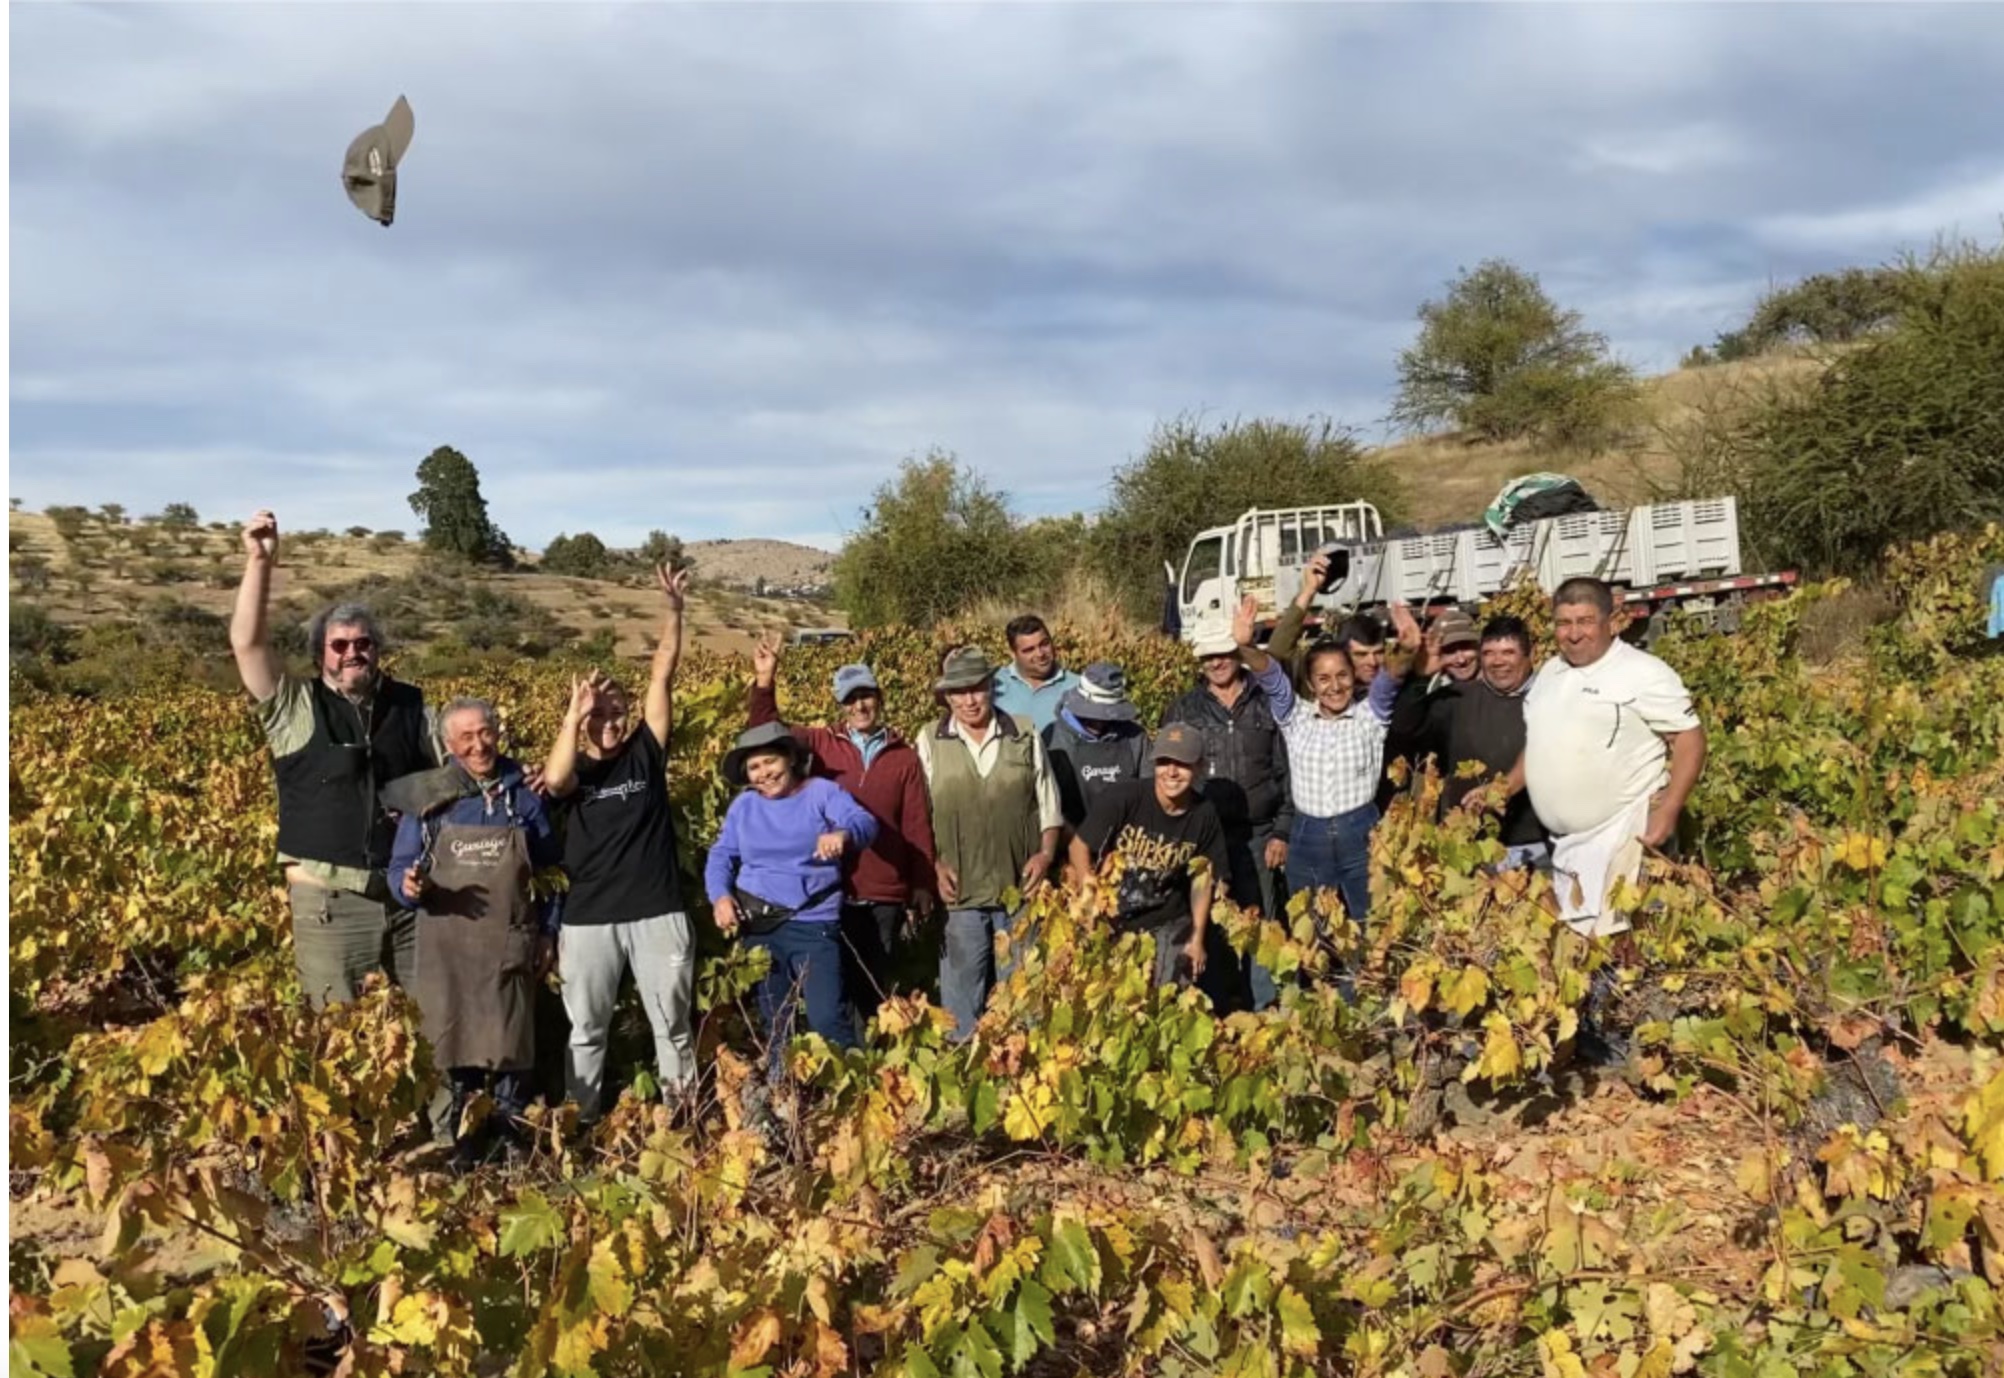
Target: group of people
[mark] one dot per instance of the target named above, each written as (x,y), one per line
(412,844)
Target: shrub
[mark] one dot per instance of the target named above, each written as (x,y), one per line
(1190,478)
(1901,437)
(933,540)
(1824,308)
(583,555)
(69,521)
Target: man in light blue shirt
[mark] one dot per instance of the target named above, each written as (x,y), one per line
(1033,686)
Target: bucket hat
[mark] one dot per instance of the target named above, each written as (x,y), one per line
(1101,695)
(967,667)
(764,737)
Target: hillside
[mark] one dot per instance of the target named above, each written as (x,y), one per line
(104,571)
(1451,480)
(781,564)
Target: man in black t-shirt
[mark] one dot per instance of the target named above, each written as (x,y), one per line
(1160,827)
(624,907)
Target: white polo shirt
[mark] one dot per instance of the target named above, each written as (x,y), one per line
(1592,735)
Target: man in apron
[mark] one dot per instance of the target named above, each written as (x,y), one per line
(471,837)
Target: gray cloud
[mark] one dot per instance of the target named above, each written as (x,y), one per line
(716,269)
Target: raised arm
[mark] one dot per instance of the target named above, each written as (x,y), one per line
(660,710)
(560,769)
(1267,672)
(763,705)
(249,641)
(1287,631)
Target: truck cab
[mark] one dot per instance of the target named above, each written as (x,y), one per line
(1262,554)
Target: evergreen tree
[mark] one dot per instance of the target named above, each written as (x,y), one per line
(455,514)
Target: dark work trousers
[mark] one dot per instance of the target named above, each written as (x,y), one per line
(870,932)
(1254,885)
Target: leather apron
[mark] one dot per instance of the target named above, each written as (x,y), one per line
(476,948)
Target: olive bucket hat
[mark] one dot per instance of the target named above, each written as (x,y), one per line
(771,736)
(967,667)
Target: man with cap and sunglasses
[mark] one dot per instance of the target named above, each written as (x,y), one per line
(996,821)
(1096,742)
(887,886)
(1160,826)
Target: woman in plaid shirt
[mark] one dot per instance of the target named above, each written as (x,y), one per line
(1335,752)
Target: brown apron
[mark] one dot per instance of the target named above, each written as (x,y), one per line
(476,949)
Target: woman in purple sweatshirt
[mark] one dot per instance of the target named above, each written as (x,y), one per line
(775,874)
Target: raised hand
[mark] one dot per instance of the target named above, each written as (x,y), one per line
(674,584)
(584,698)
(1405,627)
(1245,622)
(765,657)
(261,537)
(1311,578)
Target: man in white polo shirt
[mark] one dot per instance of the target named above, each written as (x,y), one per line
(1612,749)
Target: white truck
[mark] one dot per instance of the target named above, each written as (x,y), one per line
(1683,555)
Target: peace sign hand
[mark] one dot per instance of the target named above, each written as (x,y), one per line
(765,657)
(675,584)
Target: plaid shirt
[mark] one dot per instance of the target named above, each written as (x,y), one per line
(1333,763)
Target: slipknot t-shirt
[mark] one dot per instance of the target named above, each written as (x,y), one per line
(1158,847)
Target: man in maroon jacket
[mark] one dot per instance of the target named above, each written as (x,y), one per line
(887,888)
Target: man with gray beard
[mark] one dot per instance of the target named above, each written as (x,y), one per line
(337,737)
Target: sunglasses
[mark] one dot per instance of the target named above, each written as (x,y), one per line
(340,646)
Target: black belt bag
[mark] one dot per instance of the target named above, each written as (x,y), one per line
(761,916)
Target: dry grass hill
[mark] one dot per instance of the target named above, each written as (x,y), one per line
(1450,480)
(105,570)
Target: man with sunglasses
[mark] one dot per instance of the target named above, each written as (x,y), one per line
(337,738)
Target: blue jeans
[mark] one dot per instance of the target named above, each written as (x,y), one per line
(806,965)
(1334,853)
(968,971)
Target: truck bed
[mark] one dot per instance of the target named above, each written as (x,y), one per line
(1645,545)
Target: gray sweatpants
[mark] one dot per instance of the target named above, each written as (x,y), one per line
(591,959)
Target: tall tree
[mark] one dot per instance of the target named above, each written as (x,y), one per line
(455,514)
(1497,357)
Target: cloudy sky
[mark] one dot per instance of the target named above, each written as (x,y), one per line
(718,269)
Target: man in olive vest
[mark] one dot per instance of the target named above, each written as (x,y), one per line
(337,738)
(996,819)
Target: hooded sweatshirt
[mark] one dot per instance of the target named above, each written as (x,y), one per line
(1088,764)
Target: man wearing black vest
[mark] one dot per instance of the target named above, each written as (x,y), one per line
(337,738)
